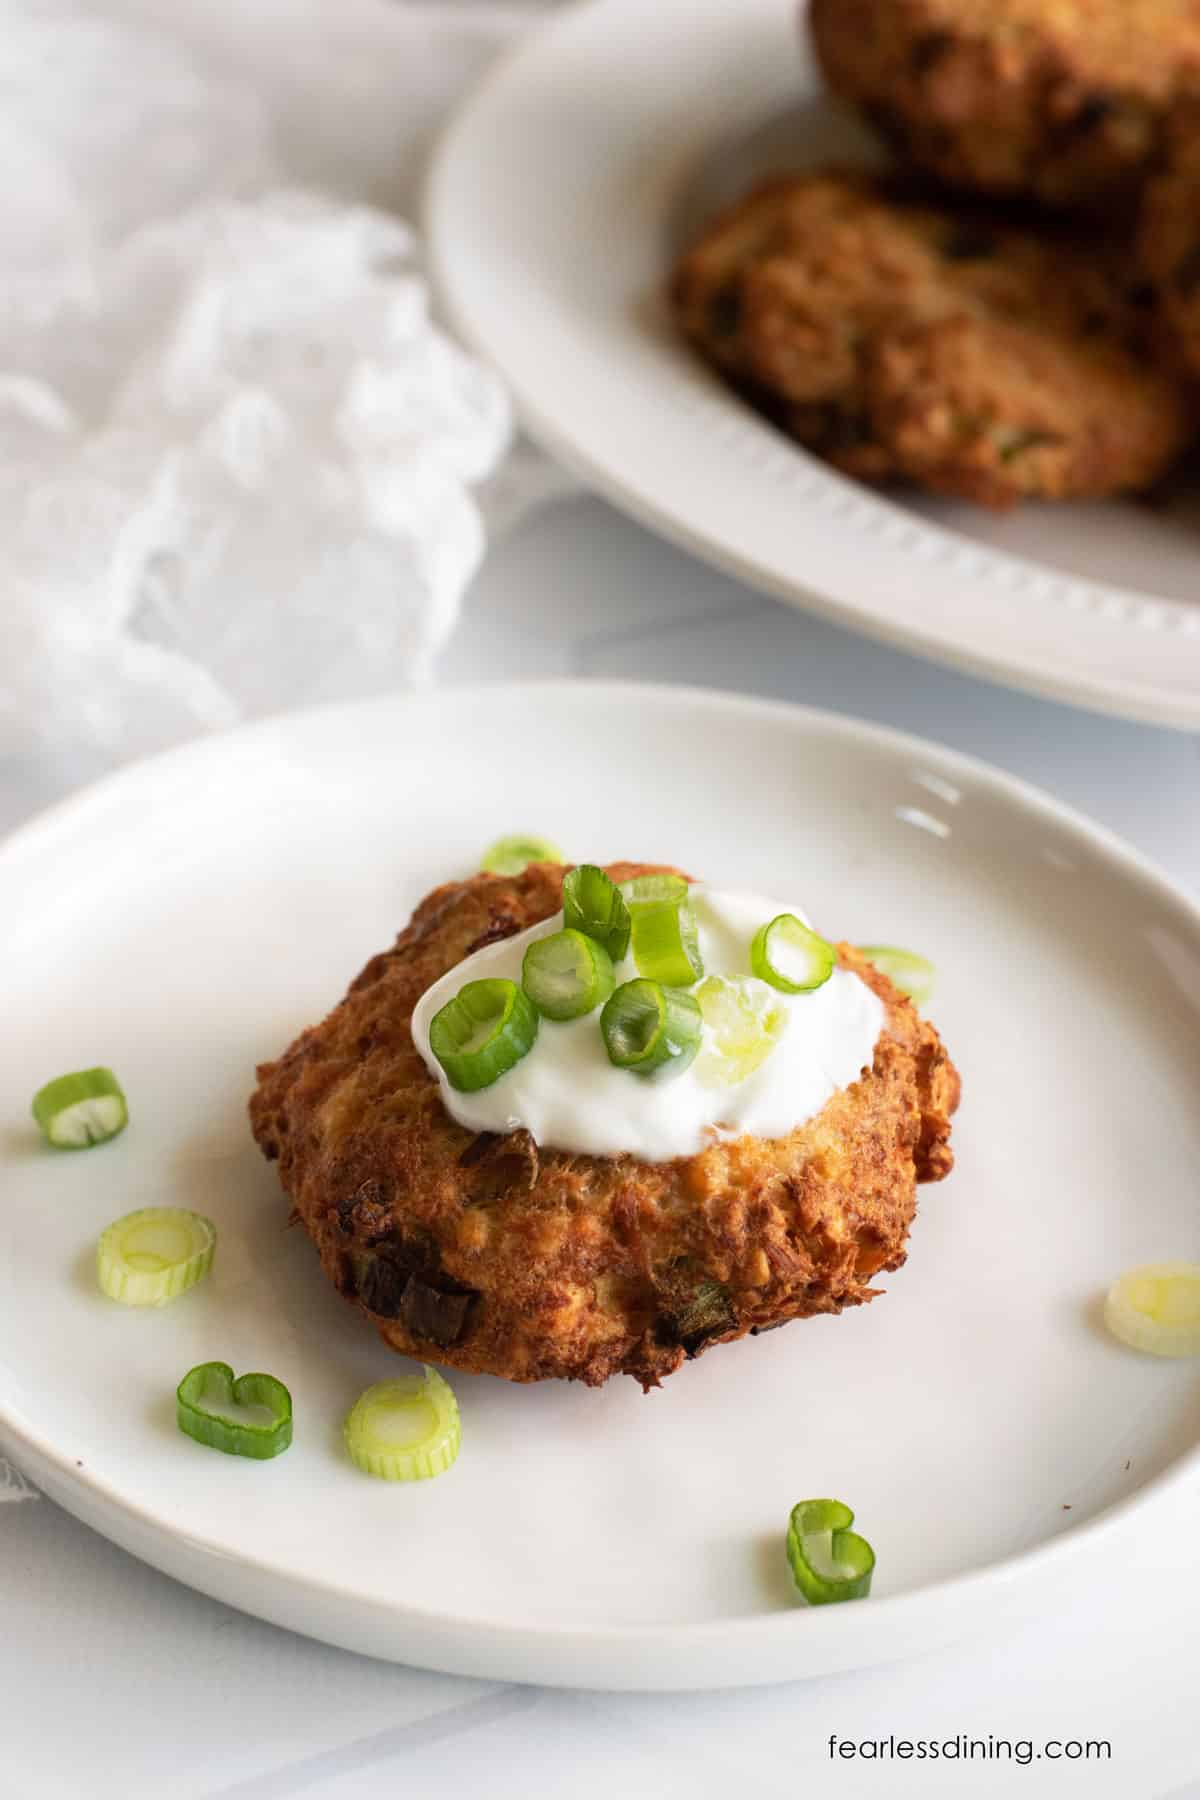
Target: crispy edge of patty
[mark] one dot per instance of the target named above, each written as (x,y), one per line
(495,1255)
(1168,244)
(896,338)
(1065,102)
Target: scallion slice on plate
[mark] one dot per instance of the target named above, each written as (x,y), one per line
(829,1562)
(790,957)
(509,855)
(80,1110)
(405,1430)
(567,974)
(1157,1308)
(483,1033)
(154,1255)
(593,904)
(914,975)
(666,940)
(250,1416)
(648,1028)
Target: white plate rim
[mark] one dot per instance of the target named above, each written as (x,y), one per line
(150,1536)
(945,555)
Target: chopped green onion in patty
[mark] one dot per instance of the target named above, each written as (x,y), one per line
(483,1033)
(509,855)
(77,1111)
(567,974)
(405,1430)
(829,1562)
(251,1416)
(790,957)
(914,975)
(648,1027)
(666,939)
(154,1255)
(593,904)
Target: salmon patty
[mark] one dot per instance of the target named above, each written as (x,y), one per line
(1061,100)
(495,1254)
(903,340)
(1169,234)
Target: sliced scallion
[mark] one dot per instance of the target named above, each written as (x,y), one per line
(666,940)
(251,1416)
(509,855)
(914,975)
(483,1033)
(1157,1308)
(567,974)
(593,904)
(154,1255)
(405,1430)
(744,1020)
(79,1110)
(829,1562)
(648,1028)
(790,957)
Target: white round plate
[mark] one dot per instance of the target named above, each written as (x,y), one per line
(186,918)
(555,207)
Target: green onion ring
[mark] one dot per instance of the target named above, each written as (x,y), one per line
(483,1033)
(1157,1308)
(790,957)
(648,1028)
(914,975)
(666,940)
(154,1255)
(593,904)
(646,890)
(509,855)
(829,1562)
(207,1402)
(567,974)
(405,1430)
(80,1110)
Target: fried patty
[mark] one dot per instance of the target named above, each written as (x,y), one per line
(496,1254)
(900,339)
(1169,233)
(1064,100)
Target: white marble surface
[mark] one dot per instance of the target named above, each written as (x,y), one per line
(115,1682)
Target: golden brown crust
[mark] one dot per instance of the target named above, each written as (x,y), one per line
(1169,231)
(496,1255)
(1064,100)
(897,338)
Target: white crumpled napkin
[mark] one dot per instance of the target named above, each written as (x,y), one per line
(257,491)
(238,462)
(239,465)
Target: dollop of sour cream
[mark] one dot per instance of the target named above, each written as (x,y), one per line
(568,1095)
